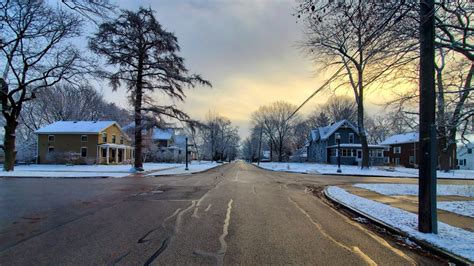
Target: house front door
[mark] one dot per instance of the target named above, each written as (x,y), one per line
(359,156)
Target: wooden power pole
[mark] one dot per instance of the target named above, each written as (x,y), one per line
(427,218)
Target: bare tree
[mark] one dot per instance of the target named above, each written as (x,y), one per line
(220,139)
(357,37)
(146,59)
(35,55)
(318,119)
(251,145)
(277,128)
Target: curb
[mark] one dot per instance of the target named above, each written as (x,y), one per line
(458,260)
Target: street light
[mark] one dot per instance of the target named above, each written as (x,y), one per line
(338,140)
(186,169)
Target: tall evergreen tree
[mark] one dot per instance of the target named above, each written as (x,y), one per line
(146,60)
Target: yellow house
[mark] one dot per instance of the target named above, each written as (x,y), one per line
(84,142)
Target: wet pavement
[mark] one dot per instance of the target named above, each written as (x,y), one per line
(234,214)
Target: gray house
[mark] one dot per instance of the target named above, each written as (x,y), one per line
(322,145)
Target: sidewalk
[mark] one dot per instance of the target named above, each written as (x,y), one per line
(410,204)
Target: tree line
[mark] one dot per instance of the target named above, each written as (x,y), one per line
(284,138)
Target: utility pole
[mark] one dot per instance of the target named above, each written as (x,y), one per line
(260,145)
(427,217)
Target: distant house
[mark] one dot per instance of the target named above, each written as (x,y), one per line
(403,149)
(83,142)
(322,145)
(171,144)
(465,153)
(164,144)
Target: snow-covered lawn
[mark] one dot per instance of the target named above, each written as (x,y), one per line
(50,170)
(450,238)
(355,170)
(412,189)
(194,167)
(465,208)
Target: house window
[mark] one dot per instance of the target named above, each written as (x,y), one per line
(380,153)
(397,161)
(84,152)
(84,138)
(50,149)
(460,162)
(121,139)
(351,137)
(104,137)
(469,151)
(411,160)
(397,149)
(113,138)
(50,138)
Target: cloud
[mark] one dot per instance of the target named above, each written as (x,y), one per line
(247,49)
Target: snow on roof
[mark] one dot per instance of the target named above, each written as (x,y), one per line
(401,139)
(75,127)
(180,139)
(325,132)
(163,134)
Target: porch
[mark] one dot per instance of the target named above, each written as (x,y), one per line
(351,154)
(109,153)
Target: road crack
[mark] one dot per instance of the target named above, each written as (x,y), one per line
(220,254)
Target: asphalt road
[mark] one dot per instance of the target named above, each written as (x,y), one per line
(234,214)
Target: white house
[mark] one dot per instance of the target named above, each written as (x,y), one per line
(465,153)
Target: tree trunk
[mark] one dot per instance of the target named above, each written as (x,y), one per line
(138,121)
(280,150)
(447,151)
(9,144)
(360,121)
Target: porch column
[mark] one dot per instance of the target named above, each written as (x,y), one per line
(107,161)
(116,155)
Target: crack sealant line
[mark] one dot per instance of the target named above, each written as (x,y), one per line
(354,250)
(220,254)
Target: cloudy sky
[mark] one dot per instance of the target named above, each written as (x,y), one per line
(247,49)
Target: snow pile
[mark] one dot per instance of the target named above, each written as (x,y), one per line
(450,238)
(61,170)
(330,169)
(465,208)
(412,189)
(194,167)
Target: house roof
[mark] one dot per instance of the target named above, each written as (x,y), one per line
(180,140)
(162,134)
(76,127)
(325,132)
(401,139)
